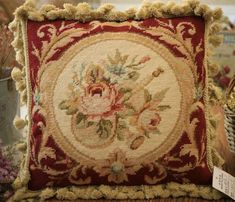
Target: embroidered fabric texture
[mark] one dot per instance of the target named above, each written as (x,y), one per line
(109,108)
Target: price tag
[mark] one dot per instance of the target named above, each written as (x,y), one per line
(224,182)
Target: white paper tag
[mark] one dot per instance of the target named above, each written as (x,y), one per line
(224,182)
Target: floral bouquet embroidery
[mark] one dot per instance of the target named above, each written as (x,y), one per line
(107,92)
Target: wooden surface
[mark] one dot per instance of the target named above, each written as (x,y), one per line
(222,147)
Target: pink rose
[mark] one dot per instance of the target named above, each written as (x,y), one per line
(149,120)
(100,100)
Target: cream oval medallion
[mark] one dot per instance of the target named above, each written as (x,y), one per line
(117,91)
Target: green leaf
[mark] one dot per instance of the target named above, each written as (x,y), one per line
(121,126)
(163,107)
(129,106)
(80,117)
(124,59)
(147,95)
(156,131)
(126,112)
(90,123)
(160,95)
(82,124)
(130,110)
(111,60)
(146,134)
(118,56)
(127,96)
(82,121)
(63,105)
(125,90)
(104,128)
(107,123)
(120,136)
(71,111)
(134,75)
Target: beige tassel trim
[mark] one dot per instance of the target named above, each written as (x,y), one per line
(22,147)
(119,192)
(20,86)
(23,96)
(215,28)
(216,94)
(83,12)
(19,123)
(216,40)
(16,74)
(213,69)
(20,82)
(47,193)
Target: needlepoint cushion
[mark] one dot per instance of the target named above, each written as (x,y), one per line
(117,103)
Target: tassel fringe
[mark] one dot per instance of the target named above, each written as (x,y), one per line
(19,123)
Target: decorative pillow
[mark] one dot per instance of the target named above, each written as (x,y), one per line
(118,102)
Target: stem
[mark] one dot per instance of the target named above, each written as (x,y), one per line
(119,72)
(116,124)
(133,65)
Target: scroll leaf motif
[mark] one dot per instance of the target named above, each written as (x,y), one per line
(192,149)
(49,46)
(181,43)
(74,178)
(161,174)
(47,152)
